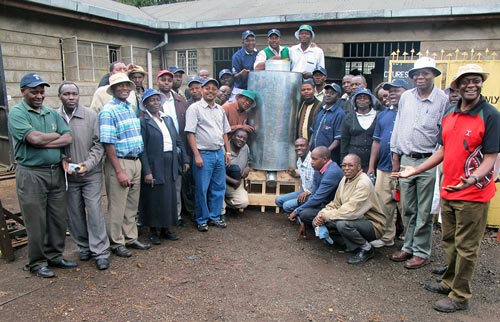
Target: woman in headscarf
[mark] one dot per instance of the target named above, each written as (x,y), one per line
(162,159)
(358,127)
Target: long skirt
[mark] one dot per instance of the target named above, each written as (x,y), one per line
(159,202)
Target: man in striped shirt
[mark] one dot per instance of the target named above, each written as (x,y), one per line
(121,136)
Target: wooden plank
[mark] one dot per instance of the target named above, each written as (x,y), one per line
(5,242)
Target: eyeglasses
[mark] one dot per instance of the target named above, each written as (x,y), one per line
(467,81)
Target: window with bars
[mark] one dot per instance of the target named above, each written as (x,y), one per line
(188,61)
(364,56)
(87,61)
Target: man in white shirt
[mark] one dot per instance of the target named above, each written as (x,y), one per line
(304,58)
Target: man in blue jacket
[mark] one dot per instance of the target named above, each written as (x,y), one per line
(327,176)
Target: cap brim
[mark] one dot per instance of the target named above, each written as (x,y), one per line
(35,84)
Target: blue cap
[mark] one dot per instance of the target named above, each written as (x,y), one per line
(324,234)
(175,69)
(150,92)
(246,34)
(273,32)
(210,80)
(225,72)
(396,83)
(194,79)
(32,80)
(366,92)
(320,69)
(335,87)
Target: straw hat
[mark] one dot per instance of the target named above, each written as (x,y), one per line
(468,69)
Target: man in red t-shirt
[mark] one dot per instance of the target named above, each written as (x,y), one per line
(470,139)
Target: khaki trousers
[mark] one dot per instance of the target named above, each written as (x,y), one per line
(383,191)
(463,228)
(122,202)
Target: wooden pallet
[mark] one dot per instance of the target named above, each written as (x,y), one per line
(260,195)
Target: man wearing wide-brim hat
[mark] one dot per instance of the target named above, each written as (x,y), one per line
(413,141)
(470,139)
(102,96)
(237,111)
(304,57)
(137,74)
(120,132)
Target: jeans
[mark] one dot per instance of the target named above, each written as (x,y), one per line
(210,186)
(288,202)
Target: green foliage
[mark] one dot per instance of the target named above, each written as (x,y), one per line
(144,3)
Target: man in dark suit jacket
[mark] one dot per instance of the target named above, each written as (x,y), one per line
(308,109)
(175,106)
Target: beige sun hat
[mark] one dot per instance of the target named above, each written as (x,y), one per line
(132,69)
(424,62)
(469,69)
(117,79)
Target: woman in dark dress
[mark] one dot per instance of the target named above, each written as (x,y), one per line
(358,127)
(161,161)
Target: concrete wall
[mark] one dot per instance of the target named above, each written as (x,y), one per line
(31,42)
(434,36)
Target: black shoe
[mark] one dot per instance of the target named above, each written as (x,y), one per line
(181,223)
(102,263)
(122,251)
(43,272)
(361,256)
(138,245)
(63,264)
(440,270)
(155,240)
(202,227)
(169,235)
(85,257)
(436,288)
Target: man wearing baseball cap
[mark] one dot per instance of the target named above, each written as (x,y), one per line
(206,129)
(470,139)
(226,78)
(120,133)
(319,76)
(413,141)
(39,135)
(304,57)
(381,162)
(274,50)
(178,75)
(327,126)
(244,59)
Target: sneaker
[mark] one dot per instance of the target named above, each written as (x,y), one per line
(202,227)
(380,243)
(220,223)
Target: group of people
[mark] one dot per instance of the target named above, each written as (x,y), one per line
(387,148)
(163,155)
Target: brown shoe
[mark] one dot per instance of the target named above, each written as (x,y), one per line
(436,288)
(416,262)
(400,256)
(449,305)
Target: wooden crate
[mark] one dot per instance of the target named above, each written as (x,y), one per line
(260,195)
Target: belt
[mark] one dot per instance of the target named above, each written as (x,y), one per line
(419,155)
(132,157)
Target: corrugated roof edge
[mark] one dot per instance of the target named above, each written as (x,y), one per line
(351,14)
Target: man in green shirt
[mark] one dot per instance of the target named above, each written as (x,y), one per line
(39,135)
(273,51)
